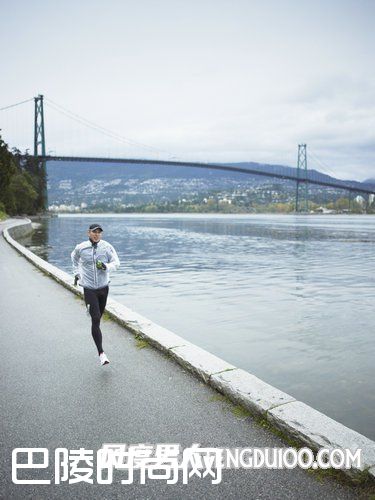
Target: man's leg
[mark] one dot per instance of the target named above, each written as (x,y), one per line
(92,300)
(102,296)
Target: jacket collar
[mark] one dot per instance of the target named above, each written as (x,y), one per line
(93,243)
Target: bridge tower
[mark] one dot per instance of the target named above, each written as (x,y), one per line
(301,176)
(40,143)
(39,137)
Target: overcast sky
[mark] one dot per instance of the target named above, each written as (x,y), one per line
(211,80)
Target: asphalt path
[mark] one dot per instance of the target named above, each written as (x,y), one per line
(55,394)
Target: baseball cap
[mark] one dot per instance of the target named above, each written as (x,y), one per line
(95,226)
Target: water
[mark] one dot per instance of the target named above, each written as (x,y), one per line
(287,298)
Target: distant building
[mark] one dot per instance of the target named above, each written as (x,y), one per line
(360,200)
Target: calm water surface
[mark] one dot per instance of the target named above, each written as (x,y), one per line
(288,298)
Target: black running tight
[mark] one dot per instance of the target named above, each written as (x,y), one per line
(96,301)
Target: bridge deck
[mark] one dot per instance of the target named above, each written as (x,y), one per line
(353,186)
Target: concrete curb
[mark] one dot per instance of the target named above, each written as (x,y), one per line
(296,419)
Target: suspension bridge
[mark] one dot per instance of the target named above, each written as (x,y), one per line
(301,175)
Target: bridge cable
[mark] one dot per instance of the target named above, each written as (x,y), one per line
(16,104)
(325,168)
(332,174)
(98,128)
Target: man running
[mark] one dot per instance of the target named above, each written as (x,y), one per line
(92,260)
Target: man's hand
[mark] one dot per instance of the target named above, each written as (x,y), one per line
(100,265)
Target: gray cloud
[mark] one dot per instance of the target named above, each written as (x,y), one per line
(210,80)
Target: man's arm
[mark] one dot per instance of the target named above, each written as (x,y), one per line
(75,259)
(113,260)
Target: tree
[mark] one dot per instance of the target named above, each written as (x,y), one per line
(8,169)
(24,193)
(23,182)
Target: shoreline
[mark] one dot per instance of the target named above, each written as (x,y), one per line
(196,214)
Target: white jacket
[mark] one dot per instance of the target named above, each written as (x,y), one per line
(84,258)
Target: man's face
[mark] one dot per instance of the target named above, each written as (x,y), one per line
(95,235)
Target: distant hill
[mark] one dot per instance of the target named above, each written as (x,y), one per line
(312,173)
(92,183)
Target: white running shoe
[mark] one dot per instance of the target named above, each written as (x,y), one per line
(103,359)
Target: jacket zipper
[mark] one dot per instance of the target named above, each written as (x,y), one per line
(93,263)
